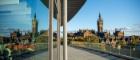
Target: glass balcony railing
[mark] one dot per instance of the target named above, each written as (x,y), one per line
(125,52)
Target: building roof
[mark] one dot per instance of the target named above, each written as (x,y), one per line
(73,7)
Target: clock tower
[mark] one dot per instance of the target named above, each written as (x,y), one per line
(34,26)
(100,23)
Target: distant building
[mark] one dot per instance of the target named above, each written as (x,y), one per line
(35,26)
(15,36)
(103,36)
(71,35)
(100,32)
(100,24)
(26,38)
(106,35)
(119,34)
(88,34)
(1,39)
(84,33)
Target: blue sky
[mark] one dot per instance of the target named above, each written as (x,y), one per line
(115,14)
(14,14)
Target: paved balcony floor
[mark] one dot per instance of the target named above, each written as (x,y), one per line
(75,54)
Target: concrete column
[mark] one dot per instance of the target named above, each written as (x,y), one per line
(65,57)
(50,38)
(58,28)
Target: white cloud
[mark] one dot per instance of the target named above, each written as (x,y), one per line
(133,30)
(15,9)
(14,15)
(7,2)
(24,11)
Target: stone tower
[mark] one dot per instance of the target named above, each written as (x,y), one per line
(100,23)
(34,26)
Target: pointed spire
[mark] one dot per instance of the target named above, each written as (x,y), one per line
(35,15)
(100,18)
(99,15)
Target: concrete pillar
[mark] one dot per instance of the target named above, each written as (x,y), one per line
(58,28)
(65,57)
(50,38)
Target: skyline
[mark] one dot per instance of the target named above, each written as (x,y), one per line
(115,14)
(90,22)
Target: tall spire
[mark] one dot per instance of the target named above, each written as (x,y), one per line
(100,23)
(100,18)
(35,15)
(99,15)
